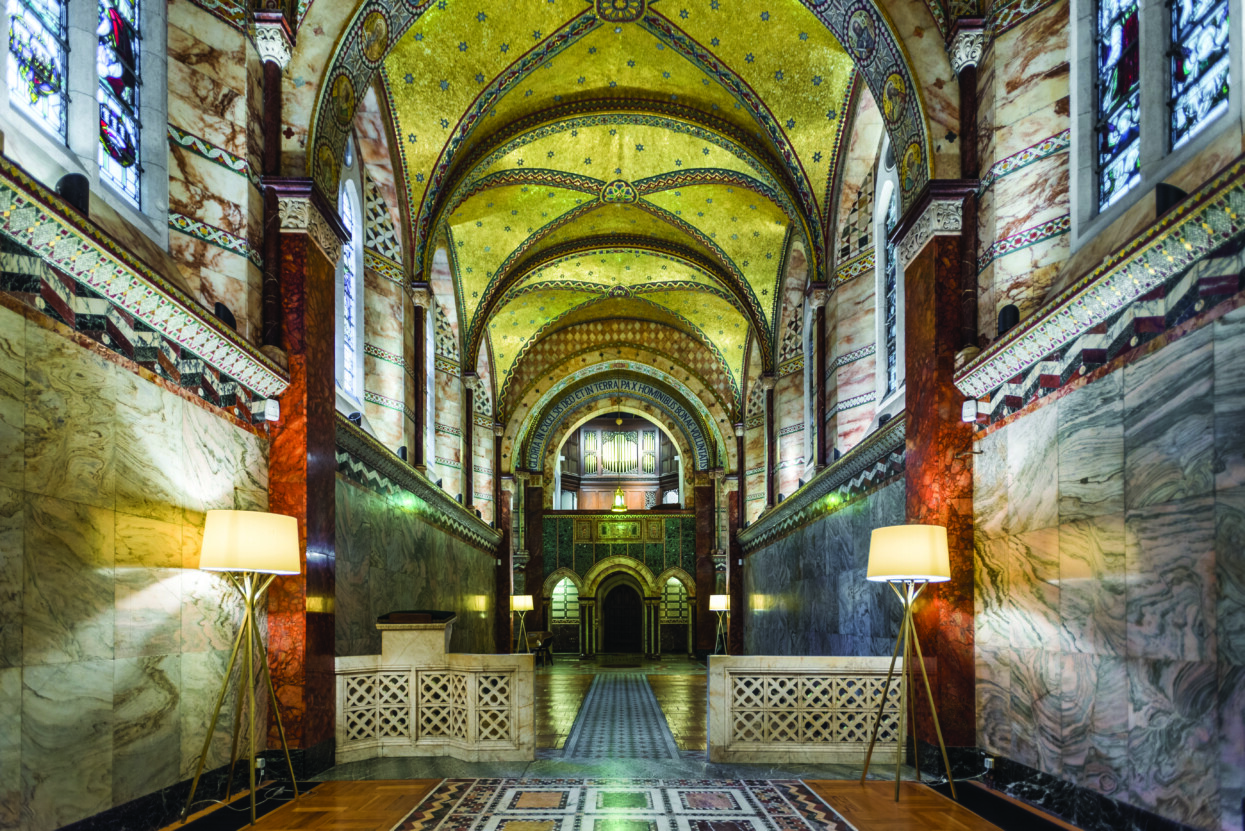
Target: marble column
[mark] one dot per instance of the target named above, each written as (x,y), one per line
(735,573)
(938,473)
(302,471)
(817,296)
(274,40)
(968,39)
(702,496)
(502,635)
(471,383)
(587,611)
(533,519)
(771,441)
(421,301)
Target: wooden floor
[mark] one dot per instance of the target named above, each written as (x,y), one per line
(350,806)
(558,698)
(683,700)
(872,806)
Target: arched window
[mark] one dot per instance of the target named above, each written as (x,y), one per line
(117,57)
(889,309)
(349,346)
(38,76)
(1152,86)
(564,605)
(675,607)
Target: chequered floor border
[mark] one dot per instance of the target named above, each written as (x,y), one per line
(623,805)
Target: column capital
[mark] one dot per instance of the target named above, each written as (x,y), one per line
(273,39)
(767,381)
(499,429)
(817,294)
(968,43)
(471,381)
(937,212)
(739,429)
(420,294)
(302,209)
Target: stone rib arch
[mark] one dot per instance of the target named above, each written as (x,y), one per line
(546,588)
(609,567)
(676,573)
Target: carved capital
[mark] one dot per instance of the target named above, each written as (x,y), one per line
(937,212)
(767,382)
(739,429)
(499,429)
(421,295)
(471,381)
(817,296)
(302,210)
(966,48)
(273,39)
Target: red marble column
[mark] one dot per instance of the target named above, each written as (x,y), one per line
(939,482)
(534,519)
(419,370)
(503,584)
(817,294)
(302,470)
(735,573)
(706,621)
(771,443)
(468,455)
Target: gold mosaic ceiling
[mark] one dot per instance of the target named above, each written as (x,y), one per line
(651,160)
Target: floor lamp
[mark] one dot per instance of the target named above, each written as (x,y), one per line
(720,603)
(522,603)
(251,548)
(908,558)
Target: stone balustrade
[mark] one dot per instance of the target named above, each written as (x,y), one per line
(418,699)
(768,709)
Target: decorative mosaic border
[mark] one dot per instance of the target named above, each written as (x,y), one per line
(877,459)
(450,463)
(1047,147)
(851,403)
(232,13)
(1209,283)
(388,403)
(791,367)
(853,356)
(1203,222)
(446,365)
(850,270)
(217,155)
(366,461)
(215,236)
(1020,240)
(33,217)
(1008,14)
(792,429)
(447,430)
(383,266)
(383,355)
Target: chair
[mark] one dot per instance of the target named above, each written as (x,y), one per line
(540,644)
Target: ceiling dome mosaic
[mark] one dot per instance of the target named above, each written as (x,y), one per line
(654,160)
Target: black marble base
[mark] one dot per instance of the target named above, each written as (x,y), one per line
(163,807)
(1086,809)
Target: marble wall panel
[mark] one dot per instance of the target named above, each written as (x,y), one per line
(12,399)
(388,559)
(1110,583)
(1229,406)
(107,626)
(807,594)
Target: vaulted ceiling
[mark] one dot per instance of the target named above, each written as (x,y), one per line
(618,159)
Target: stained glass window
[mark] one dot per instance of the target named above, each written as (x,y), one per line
(116,59)
(37,48)
(890,294)
(349,288)
(674,602)
(564,605)
(1119,99)
(1199,65)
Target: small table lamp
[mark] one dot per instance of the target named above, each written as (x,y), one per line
(251,548)
(720,603)
(911,556)
(522,603)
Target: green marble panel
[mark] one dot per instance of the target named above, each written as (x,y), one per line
(687,557)
(636,550)
(654,557)
(549,546)
(584,558)
(566,542)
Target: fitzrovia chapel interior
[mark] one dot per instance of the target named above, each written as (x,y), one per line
(622,415)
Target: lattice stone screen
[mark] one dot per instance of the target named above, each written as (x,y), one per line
(378,706)
(812,709)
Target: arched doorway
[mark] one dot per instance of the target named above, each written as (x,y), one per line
(622,620)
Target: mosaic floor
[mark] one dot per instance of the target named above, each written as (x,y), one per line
(622,805)
(620,719)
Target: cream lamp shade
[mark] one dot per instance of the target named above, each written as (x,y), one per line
(521,603)
(719,602)
(250,541)
(909,552)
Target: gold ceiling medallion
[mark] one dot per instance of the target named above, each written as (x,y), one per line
(620,11)
(619,192)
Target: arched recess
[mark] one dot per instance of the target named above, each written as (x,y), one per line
(604,569)
(582,415)
(608,383)
(869,36)
(676,573)
(558,576)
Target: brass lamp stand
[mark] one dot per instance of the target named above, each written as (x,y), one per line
(911,556)
(251,548)
(522,603)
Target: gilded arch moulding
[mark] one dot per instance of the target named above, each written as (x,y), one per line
(865,32)
(551,582)
(620,564)
(679,574)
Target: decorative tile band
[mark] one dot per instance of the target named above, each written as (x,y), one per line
(447,430)
(1202,223)
(212,153)
(388,403)
(32,216)
(791,367)
(485,471)
(854,355)
(755,470)
(1058,143)
(1050,229)
(383,355)
(442,364)
(215,236)
(878,458)
(1011,13)
(383,266)
(756,497)
(792,429)
(854,401)
(232,13)
(450,463)
(364,460)
(850,270)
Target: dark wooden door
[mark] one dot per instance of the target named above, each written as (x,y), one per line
(623,619)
